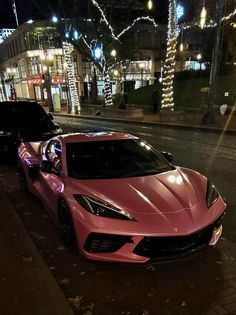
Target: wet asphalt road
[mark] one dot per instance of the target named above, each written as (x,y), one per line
(202,285)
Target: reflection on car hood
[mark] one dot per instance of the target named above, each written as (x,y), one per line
(169,192)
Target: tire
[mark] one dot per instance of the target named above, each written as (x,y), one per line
(66,227)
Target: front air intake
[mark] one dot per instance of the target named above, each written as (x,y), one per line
(105,243)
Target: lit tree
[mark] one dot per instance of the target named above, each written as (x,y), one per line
(96,41)
(3,94)
(169,66)
(173,31)
(75,104)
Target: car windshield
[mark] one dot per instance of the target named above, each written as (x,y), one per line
(21,115)
(113,159)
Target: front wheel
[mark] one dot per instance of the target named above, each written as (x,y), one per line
(66,227)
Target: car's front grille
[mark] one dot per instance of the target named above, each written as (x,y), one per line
(105,243)
(162,248)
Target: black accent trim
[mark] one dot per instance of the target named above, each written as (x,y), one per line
(163,248)
(105,243)
(174,247)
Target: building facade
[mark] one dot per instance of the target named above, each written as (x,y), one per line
(30,53)
(34,51)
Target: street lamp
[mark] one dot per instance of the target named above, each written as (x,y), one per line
(47,60)
(113,53)
(123,68)
(199,56)
(116,72)
(54,19)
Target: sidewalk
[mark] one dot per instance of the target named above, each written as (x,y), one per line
(223,124)
(26,285)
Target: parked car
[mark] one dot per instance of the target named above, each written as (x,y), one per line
(23,121)
(118,199)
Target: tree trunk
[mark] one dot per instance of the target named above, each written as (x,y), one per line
(74,97)
(169,66)
(107,87)
(94,86)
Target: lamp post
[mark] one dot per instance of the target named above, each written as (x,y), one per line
(47,61)
(208,117)
(199,58)
(117,81)
(124,78)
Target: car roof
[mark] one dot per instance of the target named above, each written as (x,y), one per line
(95,136)
(19,104)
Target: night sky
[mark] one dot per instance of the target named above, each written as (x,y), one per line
(37,9)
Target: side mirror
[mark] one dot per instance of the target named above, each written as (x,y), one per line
(50,116)
(168,156)
(47,167)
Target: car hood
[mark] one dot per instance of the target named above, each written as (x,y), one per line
(169,192)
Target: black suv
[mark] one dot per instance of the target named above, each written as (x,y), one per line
(23,121)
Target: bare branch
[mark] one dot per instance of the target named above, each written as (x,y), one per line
(142,18)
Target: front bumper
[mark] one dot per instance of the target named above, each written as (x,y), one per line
(141,249)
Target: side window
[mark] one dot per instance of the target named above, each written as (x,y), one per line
(53,154)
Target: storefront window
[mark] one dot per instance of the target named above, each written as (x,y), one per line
(39,38)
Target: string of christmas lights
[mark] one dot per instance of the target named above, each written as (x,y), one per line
(86,43)
(2,91)
(124,61)
(75,104)
(141,18)
(106,76)
(172,35)
(107,88)
(2,96)
(169,65)
(173,32)
(203,17)
(202,24)
(229,16)
(104,18)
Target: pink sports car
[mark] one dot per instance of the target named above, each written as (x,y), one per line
(115,198)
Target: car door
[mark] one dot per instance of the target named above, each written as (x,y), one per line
(51,182)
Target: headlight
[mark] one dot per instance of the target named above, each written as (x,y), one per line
(102,209)
(211,195)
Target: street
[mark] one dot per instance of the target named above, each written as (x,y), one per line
(203,285)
